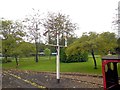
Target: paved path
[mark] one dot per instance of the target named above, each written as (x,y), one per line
(29,79)
(9,81)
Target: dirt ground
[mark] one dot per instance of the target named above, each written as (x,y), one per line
(32,79)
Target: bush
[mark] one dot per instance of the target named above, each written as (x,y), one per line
(8,60)
(78,57)
(84,57)
(63,56)
(3,60)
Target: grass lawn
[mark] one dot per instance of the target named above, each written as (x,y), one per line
(45,64)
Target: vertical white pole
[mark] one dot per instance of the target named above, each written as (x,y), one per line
(65,39)
(58,59)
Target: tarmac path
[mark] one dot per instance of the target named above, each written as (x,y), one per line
(31,79)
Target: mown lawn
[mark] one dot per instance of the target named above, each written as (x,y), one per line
(45,64)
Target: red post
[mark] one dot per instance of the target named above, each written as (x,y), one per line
(104,76)
(110,77)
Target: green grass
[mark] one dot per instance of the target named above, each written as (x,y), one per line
(45,64)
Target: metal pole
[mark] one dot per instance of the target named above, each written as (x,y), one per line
(65,39)
(58,59)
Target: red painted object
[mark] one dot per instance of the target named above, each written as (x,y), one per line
(110,72)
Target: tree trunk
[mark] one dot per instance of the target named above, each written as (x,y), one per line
(36,55)
(5,58)
(49,57)
(16,61)
(92,52)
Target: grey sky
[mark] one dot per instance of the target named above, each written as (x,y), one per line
(90,15)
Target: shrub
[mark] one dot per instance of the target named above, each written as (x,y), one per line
(78,57)
(3,60)
(63,56)
(8,60)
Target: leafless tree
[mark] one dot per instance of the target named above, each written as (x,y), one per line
(61,23)
(32,24)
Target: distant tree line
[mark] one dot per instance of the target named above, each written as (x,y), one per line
(23,38)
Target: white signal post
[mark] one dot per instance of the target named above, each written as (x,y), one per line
(58,53)
(58,59)
(65,39)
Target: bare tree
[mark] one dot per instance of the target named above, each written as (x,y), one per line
(61,23)
(116,24)
(32,24)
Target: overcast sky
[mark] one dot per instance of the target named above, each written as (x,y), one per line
(90,15)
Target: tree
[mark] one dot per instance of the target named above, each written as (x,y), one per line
(92,42)
(71,39)
(7,45)
(22,49)
(5,30)
(116,26)
(47,52)
(87,43)
(16,52)
(12,33)
(32,24)
(107,41)
(58,23)
(91,45)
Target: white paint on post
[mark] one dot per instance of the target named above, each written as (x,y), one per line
(58,52)
(58,59)
(65,39)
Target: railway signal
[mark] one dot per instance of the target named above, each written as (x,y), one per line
(47,33)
